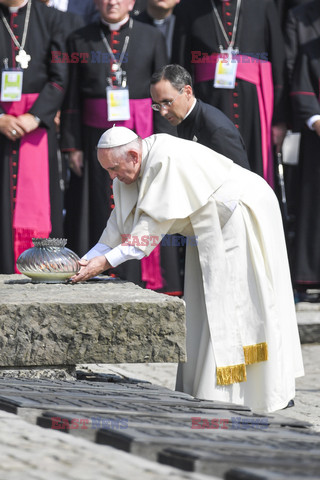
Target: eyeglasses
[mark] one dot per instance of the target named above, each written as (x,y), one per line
(165,105)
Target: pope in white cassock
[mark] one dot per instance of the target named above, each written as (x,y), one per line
(242,336)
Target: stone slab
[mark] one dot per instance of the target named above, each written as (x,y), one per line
(222,459)
(100,321)
(148,436)
(256,474)
(100,403)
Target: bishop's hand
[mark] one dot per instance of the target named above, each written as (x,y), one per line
(27,122)
(10,127)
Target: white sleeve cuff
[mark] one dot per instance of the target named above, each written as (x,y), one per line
(122,253)
(311,121)
(96,251)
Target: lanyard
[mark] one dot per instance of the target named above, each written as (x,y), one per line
(117,65)
(22,57)
(230,44)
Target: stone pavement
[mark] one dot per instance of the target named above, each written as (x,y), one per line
(29,452)
(307,401)
(156,429)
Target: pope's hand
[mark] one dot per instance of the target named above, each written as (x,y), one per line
(91,268)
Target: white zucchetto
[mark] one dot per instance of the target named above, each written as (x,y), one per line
(116,137)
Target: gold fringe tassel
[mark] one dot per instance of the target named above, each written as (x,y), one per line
(256,353)
(231,374)
(237,373)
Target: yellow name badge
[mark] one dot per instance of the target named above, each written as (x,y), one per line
(226,71)
(11,85)
(118,103)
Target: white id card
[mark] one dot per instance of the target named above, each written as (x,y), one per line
(11,85)
(226,71)
(118,103)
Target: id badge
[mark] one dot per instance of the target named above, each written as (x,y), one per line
(118,104)
(11,85)
(226,71)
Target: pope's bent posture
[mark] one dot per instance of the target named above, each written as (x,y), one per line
(242,337)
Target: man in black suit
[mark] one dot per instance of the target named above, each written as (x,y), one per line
(172,94)
(302,29)
(306,108)
(160,14)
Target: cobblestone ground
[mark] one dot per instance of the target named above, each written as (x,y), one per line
(29,452)
(307,400)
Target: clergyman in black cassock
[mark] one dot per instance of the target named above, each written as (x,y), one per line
(164,20)
(305,99)
(174,100)
(258,39)
(30,198)
(89,199)
(210,127)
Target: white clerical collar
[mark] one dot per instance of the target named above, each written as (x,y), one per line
(192,107)
(15,9)
(115,26)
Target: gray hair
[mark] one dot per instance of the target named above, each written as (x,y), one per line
(175,74)
(119,152)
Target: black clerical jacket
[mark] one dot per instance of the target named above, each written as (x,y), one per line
(210,127)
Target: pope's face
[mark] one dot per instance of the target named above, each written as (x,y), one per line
(163,92)
(125,168)
(114,11)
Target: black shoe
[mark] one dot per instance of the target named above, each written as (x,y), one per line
(290,404)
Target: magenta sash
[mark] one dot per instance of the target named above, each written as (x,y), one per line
(32,208)
(141,121)
(258,72)
(95,115)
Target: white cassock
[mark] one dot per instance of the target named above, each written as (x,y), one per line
(242,336)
